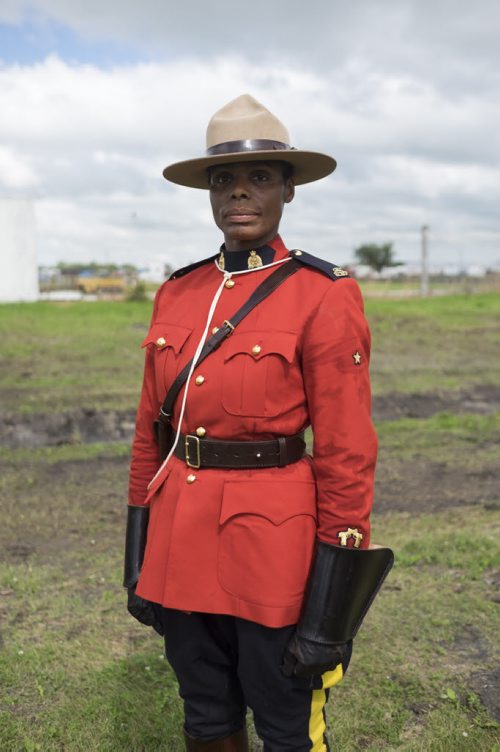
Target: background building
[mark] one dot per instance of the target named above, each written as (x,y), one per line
(18,264)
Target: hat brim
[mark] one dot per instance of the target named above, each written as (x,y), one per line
(308,166)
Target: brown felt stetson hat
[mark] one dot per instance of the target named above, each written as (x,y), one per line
(245,131)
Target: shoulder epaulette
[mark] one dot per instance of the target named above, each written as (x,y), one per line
(325,267)
(186,269)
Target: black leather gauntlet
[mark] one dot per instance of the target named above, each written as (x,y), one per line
(135,544)
(341,588)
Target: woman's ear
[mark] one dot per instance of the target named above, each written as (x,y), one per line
(289,190)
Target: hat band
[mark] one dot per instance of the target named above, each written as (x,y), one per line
(248,144)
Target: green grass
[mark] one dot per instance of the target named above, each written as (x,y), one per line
(434,344)
(50,454)
(57,356)
(444,437)
(437,286)
(77,673)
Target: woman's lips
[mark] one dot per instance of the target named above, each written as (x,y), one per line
(241,216)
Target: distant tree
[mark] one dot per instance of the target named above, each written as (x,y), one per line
(70,269)
(377,257)
(130,269)
(137,293)
(99,270)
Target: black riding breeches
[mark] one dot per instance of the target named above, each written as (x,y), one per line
(225,665)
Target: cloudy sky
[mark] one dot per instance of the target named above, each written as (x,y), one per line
(97,97)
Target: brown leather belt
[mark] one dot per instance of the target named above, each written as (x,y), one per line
(246,455)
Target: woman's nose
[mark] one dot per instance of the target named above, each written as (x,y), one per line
(240,188)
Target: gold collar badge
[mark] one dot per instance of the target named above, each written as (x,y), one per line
(254,260)
(220,261)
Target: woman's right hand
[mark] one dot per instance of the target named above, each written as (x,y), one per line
(144,611)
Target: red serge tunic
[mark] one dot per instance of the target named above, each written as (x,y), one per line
(235,541)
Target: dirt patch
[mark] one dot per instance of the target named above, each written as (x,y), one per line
(63,507)
(471,649)
(83,426)
(486,684)
(492,579)
(484,399)
(85,499)
(71,427)
(469,645)
(420,486)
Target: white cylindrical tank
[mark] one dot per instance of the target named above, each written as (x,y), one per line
(18,263)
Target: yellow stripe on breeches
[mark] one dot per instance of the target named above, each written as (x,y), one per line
(317,725)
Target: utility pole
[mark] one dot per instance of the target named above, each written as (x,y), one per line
(424,271)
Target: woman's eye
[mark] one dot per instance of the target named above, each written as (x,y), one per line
(220,179)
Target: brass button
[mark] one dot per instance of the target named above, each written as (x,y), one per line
(256,349)
(215,330)
(230,283)
(298,253)
(200,431)
(191,478)
(161,341)
(199,380)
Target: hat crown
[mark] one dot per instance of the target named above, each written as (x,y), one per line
(244,118)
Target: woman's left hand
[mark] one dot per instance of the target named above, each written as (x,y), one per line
(305,657)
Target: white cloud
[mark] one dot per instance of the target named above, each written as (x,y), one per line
(15,171)
(399,93)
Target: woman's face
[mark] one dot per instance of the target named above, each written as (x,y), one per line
(247,201)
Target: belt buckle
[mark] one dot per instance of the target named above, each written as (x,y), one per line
(192,462)
(229,326)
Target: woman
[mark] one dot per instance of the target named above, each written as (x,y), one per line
(235,512)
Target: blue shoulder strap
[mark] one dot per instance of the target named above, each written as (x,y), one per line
(186,269)
(325,267)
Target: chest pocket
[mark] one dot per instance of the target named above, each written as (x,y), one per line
(256,372)
(166,342)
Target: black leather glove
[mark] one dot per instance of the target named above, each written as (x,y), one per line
(143,611)
(342,585)
(135,543)
(304,657)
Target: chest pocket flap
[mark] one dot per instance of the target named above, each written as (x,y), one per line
(259,344)
(163,335)
(258,366)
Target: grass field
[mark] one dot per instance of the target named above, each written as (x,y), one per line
(77,673)
(59,356)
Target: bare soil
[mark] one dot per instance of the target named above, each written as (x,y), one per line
(483,399)
(423,486)
(69,427)
(486,684)
(89,425)
(100,487)
(65,503)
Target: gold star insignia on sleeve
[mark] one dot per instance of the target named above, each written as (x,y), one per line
(357,358)
(351,532)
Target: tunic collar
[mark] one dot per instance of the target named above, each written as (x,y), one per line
(239,261)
